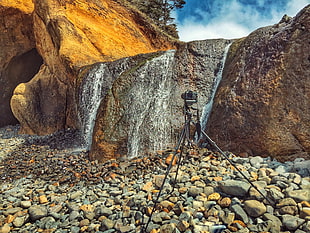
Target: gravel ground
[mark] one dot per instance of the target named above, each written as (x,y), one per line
(49,185)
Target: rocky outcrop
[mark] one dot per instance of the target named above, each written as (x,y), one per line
(143,111)
(19,60)
(46,104)
(262,105)
(71,35)
(261,108)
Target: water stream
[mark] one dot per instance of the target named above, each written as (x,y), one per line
(90,97)
(148,113)
(206,111)
(93,88)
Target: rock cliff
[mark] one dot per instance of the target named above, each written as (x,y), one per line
(67,56)
(143,110)
(19,60)
(262,105)
(69,35)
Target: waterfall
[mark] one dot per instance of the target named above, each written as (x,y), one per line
(89,101)
(208,107)
(147,91)
(149,113)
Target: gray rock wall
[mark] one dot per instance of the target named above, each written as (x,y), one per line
(262,104)
(143,111)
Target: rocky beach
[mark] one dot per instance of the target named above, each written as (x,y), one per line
(110,70)
(47,185)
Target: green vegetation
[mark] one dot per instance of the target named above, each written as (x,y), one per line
(160,12)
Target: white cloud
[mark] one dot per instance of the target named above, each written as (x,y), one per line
(294,6)
(227,30)
(233,20)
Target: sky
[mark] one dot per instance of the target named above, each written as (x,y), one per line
(229,19)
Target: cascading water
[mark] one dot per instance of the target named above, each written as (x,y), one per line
(148,113)
(90,97)
(146,104)
(208,107)
(93,88)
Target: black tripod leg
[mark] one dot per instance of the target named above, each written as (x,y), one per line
(233,164)
(179,164)
(181,140)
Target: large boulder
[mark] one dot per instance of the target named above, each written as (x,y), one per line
(69,36)
(48,95)
(19,60)
(262,105)
(143,110)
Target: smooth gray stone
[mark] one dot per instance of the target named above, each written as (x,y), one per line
(275,194)
(19,221)
(74,215)
(235,187)
(107,224)
(276,222)
(254,208)
(37,212)
(25,204)
(256,161)
(240,213)
(102,210)
(12,211)
(292,222)
(74,229)
(194,191)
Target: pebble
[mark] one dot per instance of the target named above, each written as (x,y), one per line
(43,199)
(224,202)
(25,204)
(300,195)
(46,187)
(235,187)
(305,213)
(5,228)
(37,212)
(254,208)
(292,222)
(194,191)
(214,197)
(240,213)
(19,221)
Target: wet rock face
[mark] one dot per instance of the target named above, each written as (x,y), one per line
(143,111)
(19,60)
(262,105)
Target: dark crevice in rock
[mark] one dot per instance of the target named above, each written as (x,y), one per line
(21,68)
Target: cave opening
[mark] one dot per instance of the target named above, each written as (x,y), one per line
(20,69)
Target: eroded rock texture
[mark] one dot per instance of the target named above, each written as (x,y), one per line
(143,111)
(19,60)
(48,95)
(69,35)
(262,105)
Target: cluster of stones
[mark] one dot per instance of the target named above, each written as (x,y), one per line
(53,190)
(207,195)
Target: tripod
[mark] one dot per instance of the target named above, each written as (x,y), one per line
(190,98)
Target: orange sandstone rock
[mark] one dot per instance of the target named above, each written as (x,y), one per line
(169,159)
(69,35)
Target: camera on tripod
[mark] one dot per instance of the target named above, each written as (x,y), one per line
(189,97)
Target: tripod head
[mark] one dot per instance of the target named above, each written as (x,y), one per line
(190,112)
(189,97)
